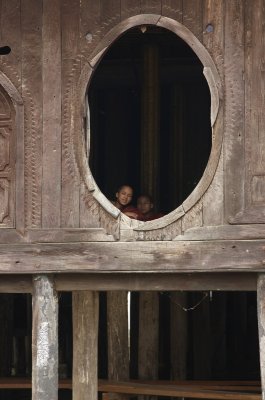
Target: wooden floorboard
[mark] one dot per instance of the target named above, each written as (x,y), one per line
(219,390)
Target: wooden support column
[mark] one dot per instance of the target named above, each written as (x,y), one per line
(85,345)
(148,335)
(118,347)
(150,122)
(44,340)
(178,335)
(261,325)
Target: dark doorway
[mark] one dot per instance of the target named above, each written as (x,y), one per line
(150,117)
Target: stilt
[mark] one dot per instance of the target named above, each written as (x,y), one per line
(44,340)
(85,345)
(118,347)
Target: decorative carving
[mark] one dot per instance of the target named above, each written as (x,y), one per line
(4,147)
(258,189)
(5,111)
(4,199)
(32,199)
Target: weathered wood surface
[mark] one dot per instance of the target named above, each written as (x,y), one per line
(172,9)
(117,327)
(68,235)
(178,391)
(85,346)
(178,335)
(51,185)
(223,232)
(234,108)
(213,40)
(32,93)
(148,335)
(44,340)
(197,256)
(70,41)
(261,324)
(7,162)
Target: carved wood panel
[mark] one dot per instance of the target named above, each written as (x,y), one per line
(7,162)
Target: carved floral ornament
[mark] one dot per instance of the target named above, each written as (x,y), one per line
(214,82)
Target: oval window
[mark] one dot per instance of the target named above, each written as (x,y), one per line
(149,117)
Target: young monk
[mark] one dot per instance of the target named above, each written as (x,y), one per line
(123,199)
(145,206)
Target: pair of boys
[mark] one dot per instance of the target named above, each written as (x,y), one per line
(143,211)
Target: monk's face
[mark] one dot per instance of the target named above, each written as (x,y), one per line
(124,195)
(144,204)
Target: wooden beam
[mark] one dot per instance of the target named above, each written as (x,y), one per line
(44,340)
(179,256)
(19,283)
(261,325)
(85,346)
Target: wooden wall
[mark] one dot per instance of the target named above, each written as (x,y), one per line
(51,43)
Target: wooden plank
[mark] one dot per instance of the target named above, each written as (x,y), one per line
(44,339)
(175,391)
(130,8)
(67,235)
(261,325)
(70,73)
(148,335)
(118,346)
(16,284)
(234,386)
(223,232)
(51,185)
(19,283)
(213,40)
(172,9)
(181,256)
(151,6)
(10,21)
(85,347)
(156,282)
(254,103)
(31,21)
(193,17)
(234,108)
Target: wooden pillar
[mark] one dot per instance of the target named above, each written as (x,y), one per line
(261,325)
(44,340)
(176,147)
(201,337)
(85,345)
(150,122)
(179,334)
(148,335)
(118,347)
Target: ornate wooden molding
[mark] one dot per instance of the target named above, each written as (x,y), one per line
(168,226)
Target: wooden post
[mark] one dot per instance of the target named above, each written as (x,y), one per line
(148,335)
(44,340)
(150,122)
(179,335)
(85,345)
(261,325)
(118,347)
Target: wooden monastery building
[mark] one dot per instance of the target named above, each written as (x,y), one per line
(167,96)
